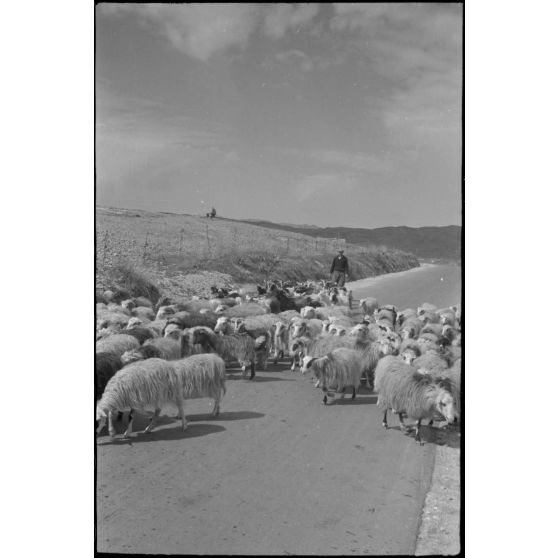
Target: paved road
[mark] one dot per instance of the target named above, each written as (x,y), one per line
(276,473)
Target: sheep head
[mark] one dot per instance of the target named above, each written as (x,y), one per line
(222,325)
(445,405)
(306,363)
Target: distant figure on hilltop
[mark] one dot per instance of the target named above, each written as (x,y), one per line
(212,213)
(339,269)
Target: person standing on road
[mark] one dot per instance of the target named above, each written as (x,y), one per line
(339,269)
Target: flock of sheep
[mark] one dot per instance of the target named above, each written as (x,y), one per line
(150,355)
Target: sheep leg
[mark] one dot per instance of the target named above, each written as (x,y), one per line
(181,414)
(215,411)
(111,429)
(102,423)
(354,393)
(417,434)
(293,364)
(151,425)
(402,424)
(252,370)
(384,421)
(129,427)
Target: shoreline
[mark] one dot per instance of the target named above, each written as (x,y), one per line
(371,281)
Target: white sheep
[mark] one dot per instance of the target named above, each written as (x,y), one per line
(401,388)
(117,344)
(239,347)
(308,312)
(369,305)
(224,325)
(308,328)
(340,368)
(155,382)
(280,340)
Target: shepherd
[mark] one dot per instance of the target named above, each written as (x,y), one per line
(339,269)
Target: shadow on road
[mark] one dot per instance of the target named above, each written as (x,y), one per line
(259,378)
(359,400)
(228,415)
(445,436)
(158,435)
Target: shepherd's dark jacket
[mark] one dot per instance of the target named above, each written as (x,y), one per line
(340,263)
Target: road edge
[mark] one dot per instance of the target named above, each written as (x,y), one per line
(439,527)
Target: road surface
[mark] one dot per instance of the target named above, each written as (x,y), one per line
(277,473)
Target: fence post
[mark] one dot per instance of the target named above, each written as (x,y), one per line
(145,246)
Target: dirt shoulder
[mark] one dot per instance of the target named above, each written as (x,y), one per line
(440,521)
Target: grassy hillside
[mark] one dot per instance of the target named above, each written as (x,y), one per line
(185,254)
(424,242)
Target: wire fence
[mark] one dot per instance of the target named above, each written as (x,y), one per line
(153,246)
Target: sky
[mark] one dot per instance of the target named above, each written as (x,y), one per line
(318,114)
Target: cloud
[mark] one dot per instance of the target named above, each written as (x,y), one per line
(198,30)
(202,30)
(283,17)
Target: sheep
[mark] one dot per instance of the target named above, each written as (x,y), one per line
(134,322)
(107,332)
(338,369)
(426,307)
(142,334)
(401,388)
(192,319)
(151,382)
(165,312)
(143,302)
(171,349)
(326,312)
(369,305)
(435,329)
(406,314)
(215,302)
(128,304)
(262,347)
(110,317)
(429,317)
(447,316)
(224,326)
(143,353)
(202,376)
(337,330)
(116,344)
(410,328)
(431,363)
(369,352)
(245,309)
(288,315)
(174,331)
(106,366)
(155,381)
(452,381)
(255,325)
(230,347)
(410,352)
(298,348)
(308,312)
(427,342)
(309,328)
(280,340)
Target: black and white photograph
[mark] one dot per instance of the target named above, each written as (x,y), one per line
(279,311)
